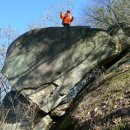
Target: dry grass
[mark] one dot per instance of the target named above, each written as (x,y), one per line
(106,102)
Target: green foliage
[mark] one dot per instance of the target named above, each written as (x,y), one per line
(121,126)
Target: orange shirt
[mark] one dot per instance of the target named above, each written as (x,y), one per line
(67,19)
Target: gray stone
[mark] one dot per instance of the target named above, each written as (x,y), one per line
(60,110)
(18,113)
(44,124)
(45,64)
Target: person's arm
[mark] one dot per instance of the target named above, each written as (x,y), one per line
(72,18)
(61,15)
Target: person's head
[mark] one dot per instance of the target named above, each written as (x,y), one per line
(68,11)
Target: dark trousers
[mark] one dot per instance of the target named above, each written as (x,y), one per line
(66,25)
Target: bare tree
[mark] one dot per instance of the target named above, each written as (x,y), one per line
(7,35)
(105,13)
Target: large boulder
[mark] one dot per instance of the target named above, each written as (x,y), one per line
(45,64)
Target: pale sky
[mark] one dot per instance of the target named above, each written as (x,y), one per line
(20,13)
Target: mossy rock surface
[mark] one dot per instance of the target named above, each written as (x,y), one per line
(46,63)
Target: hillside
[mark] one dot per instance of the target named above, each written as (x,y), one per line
(105,103)
(78,76)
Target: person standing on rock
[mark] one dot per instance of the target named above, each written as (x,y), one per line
(67,18)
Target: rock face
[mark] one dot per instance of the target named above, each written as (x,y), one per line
(44,65)
(20,114)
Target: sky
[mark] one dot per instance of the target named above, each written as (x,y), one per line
(19,14)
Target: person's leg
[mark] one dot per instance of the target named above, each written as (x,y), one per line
(67,26)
